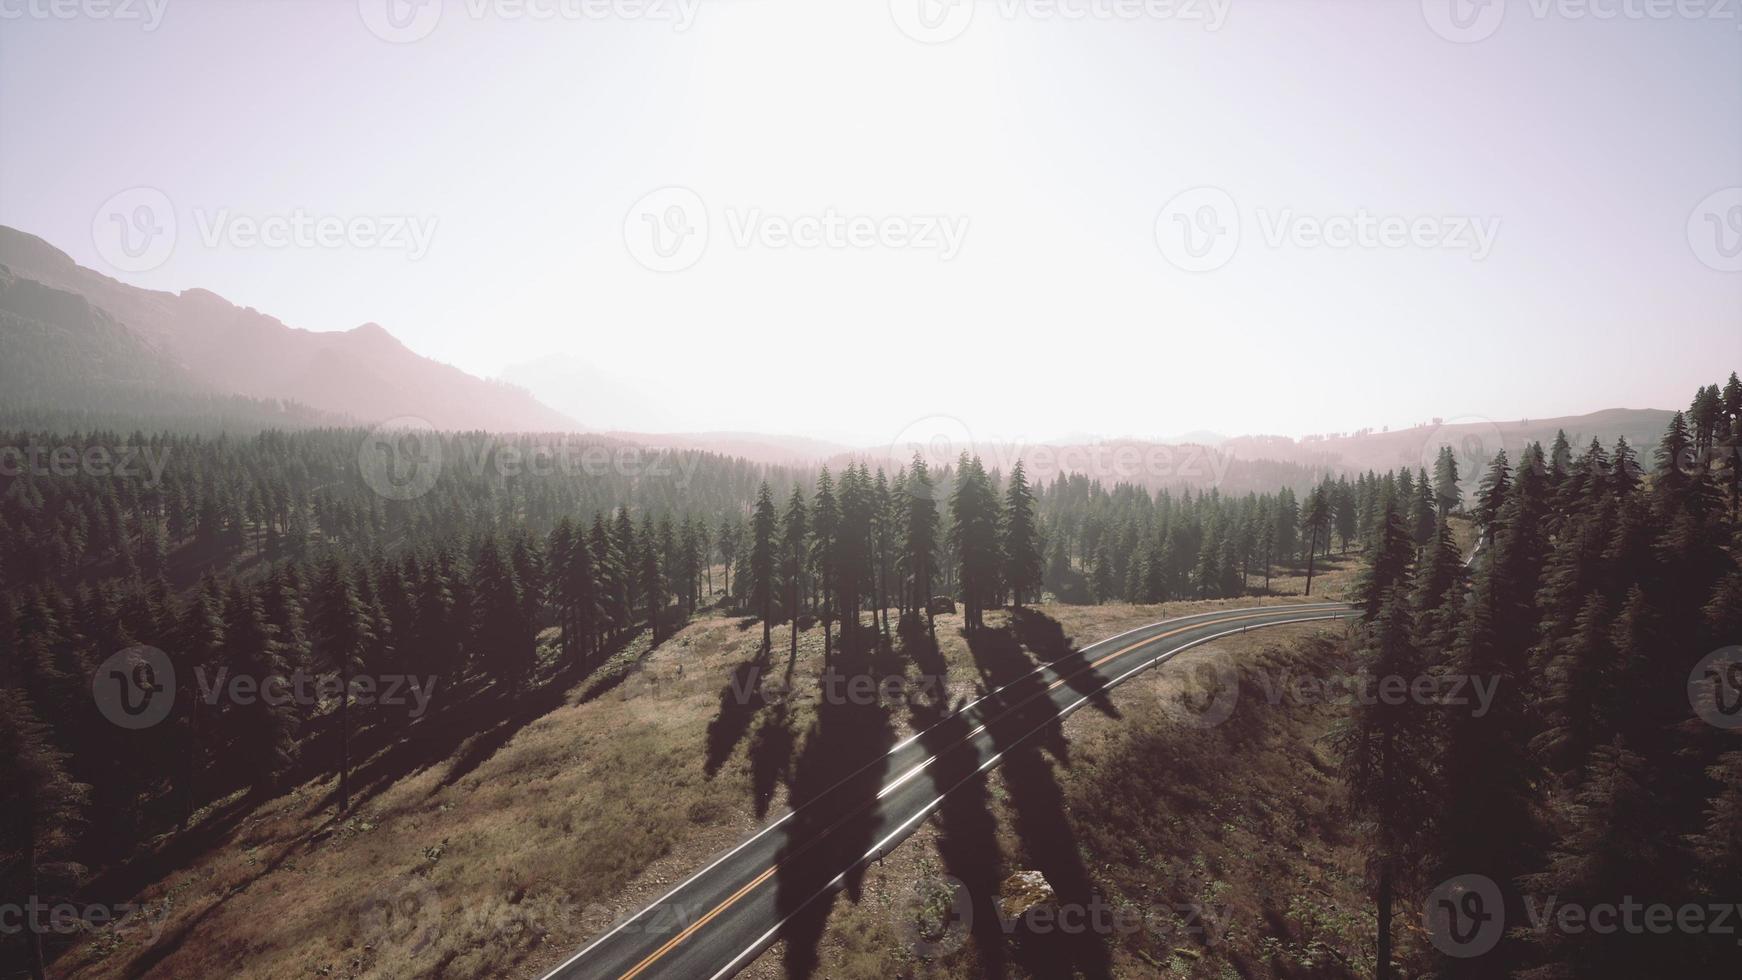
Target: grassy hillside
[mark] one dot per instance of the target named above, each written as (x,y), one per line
(505,831)
(1190,852)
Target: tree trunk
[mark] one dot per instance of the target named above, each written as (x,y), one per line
(881,621)
(1383,952)
(931,623)
(1312,546)
(792,658)
(345,737)
(191,762)
(828,647)
(38,965)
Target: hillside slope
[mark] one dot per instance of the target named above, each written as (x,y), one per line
(71,363)
(364,373)
(504,832)
(1472,439)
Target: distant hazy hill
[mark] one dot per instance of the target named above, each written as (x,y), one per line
(1155,465)
(219,347)
(774,450)
(1259,463)
(1474,440)
(69,364)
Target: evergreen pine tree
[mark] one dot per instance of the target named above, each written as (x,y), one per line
(261,729)
(502,641)
(762,561)
(1021,547)
(1386,750)
(342,632)
(1491,496)
(921,540)
(793,535)
(42,803)
(826,536)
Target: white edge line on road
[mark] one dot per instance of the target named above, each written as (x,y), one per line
(737,962)
(915,770)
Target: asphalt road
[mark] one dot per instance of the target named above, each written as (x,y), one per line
(720,918)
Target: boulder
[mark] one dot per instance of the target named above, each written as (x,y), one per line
(941,604)
(1023,892)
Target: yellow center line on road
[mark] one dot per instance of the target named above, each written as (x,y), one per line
(731,900)
(704,920)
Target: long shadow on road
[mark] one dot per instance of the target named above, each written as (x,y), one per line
(1045,638)
(1025,730)
(834,823)
(968,836)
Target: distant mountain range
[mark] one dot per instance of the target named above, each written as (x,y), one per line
(1474,439)
(83,345)
(1257,463)
(86,329)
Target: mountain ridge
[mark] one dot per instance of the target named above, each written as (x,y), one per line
(365,373)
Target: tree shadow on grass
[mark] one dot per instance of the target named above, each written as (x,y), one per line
(770,757)
(1023,723)
(467,725)
(1045,638)
(834,819)
(473,752)
(741,698)
(968,836)
(164,945)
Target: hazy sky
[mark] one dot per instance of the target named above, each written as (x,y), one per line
(992,212)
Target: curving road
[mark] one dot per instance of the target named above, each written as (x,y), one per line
(720,918)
